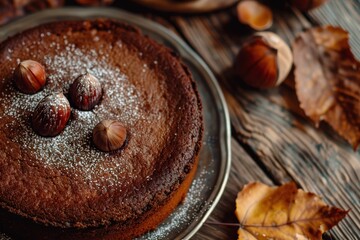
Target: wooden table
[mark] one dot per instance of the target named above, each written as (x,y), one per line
(272,140)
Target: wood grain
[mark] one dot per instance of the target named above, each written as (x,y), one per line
(270,125)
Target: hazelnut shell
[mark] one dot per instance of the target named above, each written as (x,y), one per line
(29,76)
(109,135)
(51,115)
(85,92)
(264,60)
(254,14)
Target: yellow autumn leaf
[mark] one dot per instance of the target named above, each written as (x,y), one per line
(283,213)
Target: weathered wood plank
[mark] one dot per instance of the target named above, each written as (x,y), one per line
(271,124)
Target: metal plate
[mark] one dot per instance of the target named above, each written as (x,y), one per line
(215,160)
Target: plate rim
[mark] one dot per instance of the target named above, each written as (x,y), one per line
(185,52)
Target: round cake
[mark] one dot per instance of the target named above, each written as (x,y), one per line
(63,186)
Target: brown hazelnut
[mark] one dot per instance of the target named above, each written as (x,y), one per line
(85,92)
(51,115)
(254,14)
(109,135)
(29,76)
(264,60)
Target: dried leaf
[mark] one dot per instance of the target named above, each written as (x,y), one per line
(283,213)
(327,78)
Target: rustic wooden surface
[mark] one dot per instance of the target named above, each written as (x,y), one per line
(272,140)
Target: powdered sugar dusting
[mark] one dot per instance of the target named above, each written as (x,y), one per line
(73,148)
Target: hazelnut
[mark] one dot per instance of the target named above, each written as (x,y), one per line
(85,92)
(51,115)
(109,135)
(264,60)
(254,14)
(29,76)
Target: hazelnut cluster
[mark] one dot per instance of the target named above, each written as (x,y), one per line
(53,112)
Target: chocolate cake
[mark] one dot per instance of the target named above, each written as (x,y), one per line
(63,186)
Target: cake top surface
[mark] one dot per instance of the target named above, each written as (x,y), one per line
(144,86)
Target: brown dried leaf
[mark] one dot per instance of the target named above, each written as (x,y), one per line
(327,78)
(283,213)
